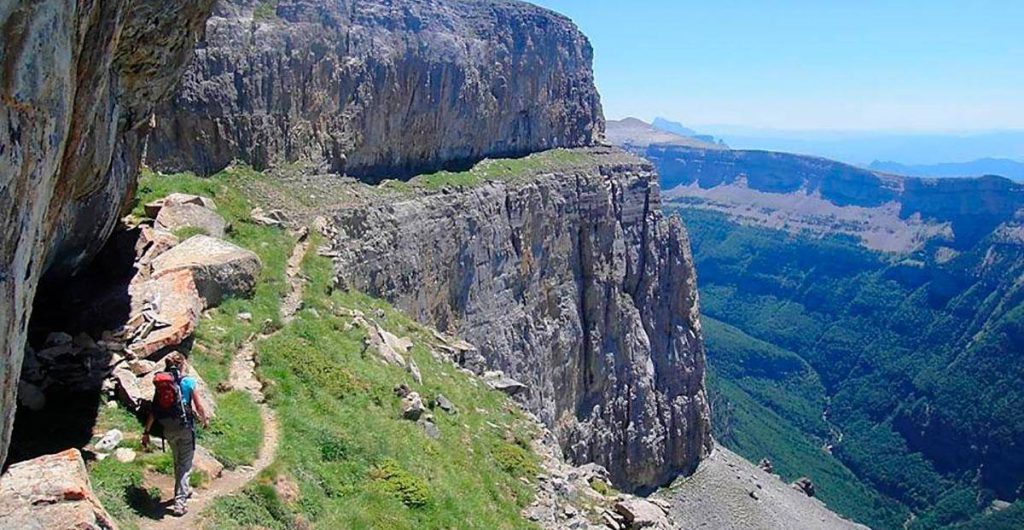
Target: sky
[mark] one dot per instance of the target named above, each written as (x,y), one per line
(860,65)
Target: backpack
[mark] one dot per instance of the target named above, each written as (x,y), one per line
(167,399)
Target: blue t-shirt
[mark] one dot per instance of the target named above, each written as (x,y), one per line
(188,386)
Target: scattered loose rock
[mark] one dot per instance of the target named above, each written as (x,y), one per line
(109,441)
(640,513)
(272,218)
(430,428)
(444,404)
(804,485)
(124,454)
(412,406)
(499,381)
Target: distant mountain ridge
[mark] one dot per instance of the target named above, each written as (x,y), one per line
(675,127)
(864,147)
(1003,167)
(636,134)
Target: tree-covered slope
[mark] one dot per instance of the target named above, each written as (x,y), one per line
(914,364)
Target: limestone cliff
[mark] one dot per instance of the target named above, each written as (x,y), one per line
(571,281)
(379,88)
(78,84)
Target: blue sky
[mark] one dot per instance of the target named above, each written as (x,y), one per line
(908,65)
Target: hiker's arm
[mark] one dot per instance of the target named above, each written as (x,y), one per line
(197,404)
(145,431)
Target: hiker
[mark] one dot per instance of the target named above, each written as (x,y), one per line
(176,404)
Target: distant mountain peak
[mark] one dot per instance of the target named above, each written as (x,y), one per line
(673,127)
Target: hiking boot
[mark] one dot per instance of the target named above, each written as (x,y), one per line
(179,511)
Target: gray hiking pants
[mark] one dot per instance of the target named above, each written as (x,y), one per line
(183,448)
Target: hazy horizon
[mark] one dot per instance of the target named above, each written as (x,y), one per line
(937,67)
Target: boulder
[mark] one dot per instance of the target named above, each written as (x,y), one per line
(390,348)
(176,199)
(141,367)
(153,242)
(51,491)
(205,463)
(132,391)
(175,301)
(502,383)
(804,485)
(640,513)
(430,429)
(412,406)
(444,404)
(220,269)
(414,370)
(124,455)
(109,441)
(182,216)
(271,218)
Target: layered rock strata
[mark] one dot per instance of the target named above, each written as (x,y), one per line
(571,282)
(379,88)
(78,85)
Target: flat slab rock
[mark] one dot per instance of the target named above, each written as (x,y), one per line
(176,199)
(190,215)
(51,491)
(220,269)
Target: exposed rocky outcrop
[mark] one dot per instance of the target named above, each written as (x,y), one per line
(379,88)
(78,85)
(572,283)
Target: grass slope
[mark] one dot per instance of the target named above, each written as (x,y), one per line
(347,459)
(235,436)
(356,463)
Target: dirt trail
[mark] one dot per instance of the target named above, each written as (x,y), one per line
(243,377)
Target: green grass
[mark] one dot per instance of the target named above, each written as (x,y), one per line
(504,169)
(235,435)
(357,463)
(265,10)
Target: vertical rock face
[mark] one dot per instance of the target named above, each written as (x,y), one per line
(571,282)
(78,83)
(379,88)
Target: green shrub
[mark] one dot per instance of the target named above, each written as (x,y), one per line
(516,461)
(399,483)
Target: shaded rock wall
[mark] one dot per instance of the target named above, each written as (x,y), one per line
(571,282)
(379,88)
(78,84)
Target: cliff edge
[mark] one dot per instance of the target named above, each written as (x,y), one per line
(567,277)
(379,88)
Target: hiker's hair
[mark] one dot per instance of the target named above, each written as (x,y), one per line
(175,360)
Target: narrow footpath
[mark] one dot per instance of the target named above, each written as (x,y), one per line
(243,377)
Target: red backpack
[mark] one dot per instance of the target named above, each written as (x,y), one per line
(167,402)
